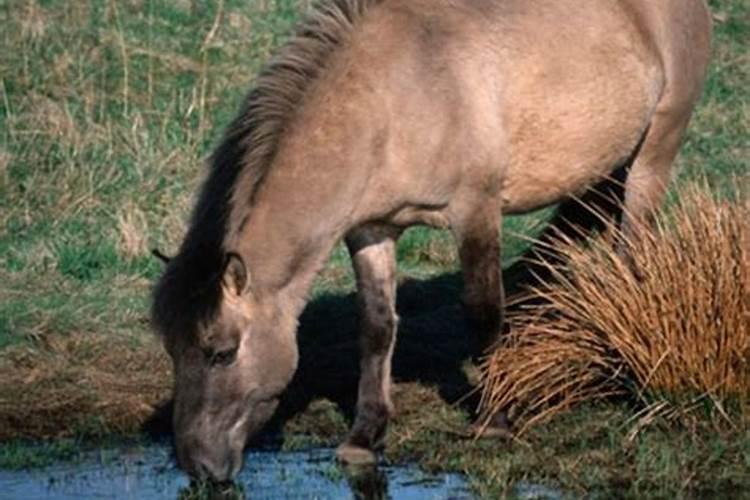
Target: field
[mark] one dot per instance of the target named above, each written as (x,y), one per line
(108,110)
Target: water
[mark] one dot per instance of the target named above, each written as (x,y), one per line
(149,472)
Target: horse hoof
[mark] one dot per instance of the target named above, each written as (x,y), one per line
(499,427)
(350,454)
(490,432)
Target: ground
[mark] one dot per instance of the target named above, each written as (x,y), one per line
(107,113)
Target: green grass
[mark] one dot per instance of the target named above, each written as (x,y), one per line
(718,140)
(598,451)
(107,112)
(25,455)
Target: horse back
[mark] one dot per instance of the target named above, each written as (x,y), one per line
(540,97)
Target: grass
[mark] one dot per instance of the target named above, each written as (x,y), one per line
(107,112)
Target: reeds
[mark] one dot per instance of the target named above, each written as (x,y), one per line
(671,323)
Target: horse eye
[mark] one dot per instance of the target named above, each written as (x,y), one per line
(224,358)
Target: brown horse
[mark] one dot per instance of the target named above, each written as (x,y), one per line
(383,114)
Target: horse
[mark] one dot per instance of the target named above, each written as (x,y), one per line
(378,115)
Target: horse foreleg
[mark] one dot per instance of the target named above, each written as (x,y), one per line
(374,258)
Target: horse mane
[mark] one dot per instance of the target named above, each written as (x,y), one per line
(189,291)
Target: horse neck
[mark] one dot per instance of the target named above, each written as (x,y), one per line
(310,195)
(297,216)
(282,258)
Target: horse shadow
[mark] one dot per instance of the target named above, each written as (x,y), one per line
(432,347)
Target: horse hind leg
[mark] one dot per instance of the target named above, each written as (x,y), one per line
(374,258)
(648,180)
(576,219)
(478,237)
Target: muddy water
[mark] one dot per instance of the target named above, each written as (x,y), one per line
(149,472)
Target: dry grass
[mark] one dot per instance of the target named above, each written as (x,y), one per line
(81,384)
(133,227)
(674,332)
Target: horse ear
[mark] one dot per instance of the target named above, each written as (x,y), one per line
(157,253)
(236,276)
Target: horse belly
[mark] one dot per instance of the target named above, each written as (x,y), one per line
(552,168)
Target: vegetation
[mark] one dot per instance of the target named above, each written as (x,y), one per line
(107,111)
(669,323)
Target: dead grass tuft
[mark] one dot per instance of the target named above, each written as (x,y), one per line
(34,21)
(54,119)
(133,232)
(5,159)
(675,331)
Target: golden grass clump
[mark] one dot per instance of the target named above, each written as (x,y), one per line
(676,329)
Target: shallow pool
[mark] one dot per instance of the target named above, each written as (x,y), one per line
(149,472)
